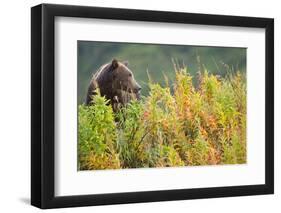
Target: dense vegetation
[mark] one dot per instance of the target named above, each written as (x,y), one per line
(178,124)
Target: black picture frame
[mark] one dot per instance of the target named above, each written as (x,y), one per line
(43,102)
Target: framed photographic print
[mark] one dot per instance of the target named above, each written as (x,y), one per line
(139,106)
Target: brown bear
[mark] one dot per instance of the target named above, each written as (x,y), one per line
(116,82)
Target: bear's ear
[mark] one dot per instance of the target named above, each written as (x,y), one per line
(114,63)
(126,63)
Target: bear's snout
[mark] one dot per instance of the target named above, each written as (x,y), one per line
(137,89)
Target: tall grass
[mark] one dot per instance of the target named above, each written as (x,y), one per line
(175,125)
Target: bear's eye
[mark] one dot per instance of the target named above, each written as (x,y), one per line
(130,74)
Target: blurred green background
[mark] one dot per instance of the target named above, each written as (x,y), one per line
(156,59)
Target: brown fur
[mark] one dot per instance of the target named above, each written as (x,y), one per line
(116,82)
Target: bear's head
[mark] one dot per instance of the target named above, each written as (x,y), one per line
(123,78)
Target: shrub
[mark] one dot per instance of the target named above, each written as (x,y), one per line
(182,126)
(130,135)
(97,136)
